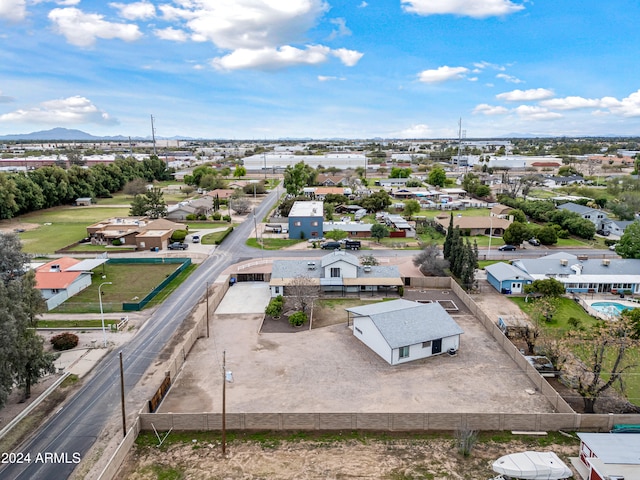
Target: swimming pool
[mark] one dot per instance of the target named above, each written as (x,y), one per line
(610,308)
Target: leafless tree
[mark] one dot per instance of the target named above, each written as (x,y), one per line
(430,261)
(301,291)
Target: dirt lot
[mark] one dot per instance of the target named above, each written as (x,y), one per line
(387,457)
(329,370)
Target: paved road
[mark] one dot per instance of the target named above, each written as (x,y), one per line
(71,432)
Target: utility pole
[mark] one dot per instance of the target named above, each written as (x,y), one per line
(153,136)
(124,416)
(207,296)
(224,403)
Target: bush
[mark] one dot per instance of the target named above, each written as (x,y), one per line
(224,235)
(216,216)
(275,307)
(297,319)
(191,217)
(116,243)
(178,235)
(64,341)
(227,218)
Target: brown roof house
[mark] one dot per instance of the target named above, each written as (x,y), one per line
(138,232)
(494,226)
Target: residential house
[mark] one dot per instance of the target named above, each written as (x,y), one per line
(305,220)
(608,456)
(476,225)
(57,280)
(401,331)
(500,211)
(331,180)
(83,202)
(353,229)
(399,224)
(139,232)
(616,227)
(595,216)
(580,275)
(392,182)
(338,272)
(562,181)
(506,278)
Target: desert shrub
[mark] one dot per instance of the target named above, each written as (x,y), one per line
(64,341)
(297,319)
(466,439)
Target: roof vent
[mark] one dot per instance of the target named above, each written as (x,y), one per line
(564,262)
(367,269)
(311,265)
(606,262)
(55,268)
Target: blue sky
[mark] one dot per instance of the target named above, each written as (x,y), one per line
(264,69)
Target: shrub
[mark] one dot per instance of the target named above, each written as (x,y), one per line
(275,307)
(297,319)
(64,341)
(116,243)
(227,218)
(178,235)
(191,217)
(216,216)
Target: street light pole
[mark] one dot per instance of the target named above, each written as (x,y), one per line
(104,332)
(490,234)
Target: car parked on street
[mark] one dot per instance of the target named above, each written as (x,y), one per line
(507,248)
(331,246)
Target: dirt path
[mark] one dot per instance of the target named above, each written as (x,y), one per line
(362,457)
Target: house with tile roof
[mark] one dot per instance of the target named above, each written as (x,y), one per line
(338,272)
(402,331)
(58,280)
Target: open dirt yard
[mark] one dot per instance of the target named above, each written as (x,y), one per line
(329,370)
(436,458)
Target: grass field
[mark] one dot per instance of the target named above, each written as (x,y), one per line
(131,282)
(62,226)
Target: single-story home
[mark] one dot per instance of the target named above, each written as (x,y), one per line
(401,331)
(494,226)
(595,216)
(616,227)
(506,278)
(337,272)
(61,279)
(353,229)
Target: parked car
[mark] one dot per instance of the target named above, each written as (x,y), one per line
(604,233)
(507,248)
(331,246)
(613,247)
(534,241)
(195,238)
(178,246)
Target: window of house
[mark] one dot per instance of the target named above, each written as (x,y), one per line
(314,223)
(404,352)
(55,290)
(297,224)
(278,290)
(426,344)
(335,272)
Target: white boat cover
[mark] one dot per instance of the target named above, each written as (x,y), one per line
(532,466)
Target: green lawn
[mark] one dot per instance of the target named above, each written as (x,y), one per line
(567,309)
(129,281)
(62,226)
(273,243)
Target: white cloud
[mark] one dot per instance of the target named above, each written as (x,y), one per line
(64,111)
(324,78)
(363,5)
(525,95)
(482,65)
(13,10)
(574,103)
(536,113)
(82,29)
(342,30)
(171,34)
(347,57)
(485,109)
(415,131)
(248,24)
(508,78)
(272,58)
(468,8)
(135,11)
(442,74)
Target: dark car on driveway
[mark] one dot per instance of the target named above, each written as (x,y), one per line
(604,233)
(178,246)
(507,248)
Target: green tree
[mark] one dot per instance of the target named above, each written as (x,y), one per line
(516,233)
(411,207)
(138,206)
(239,171)
(297,177)
(379,231)
(437,177)
(549,287)
(397,172)
(336,235)
(134,187)
(8,192)
(376,201)
(547,235)
(629,244)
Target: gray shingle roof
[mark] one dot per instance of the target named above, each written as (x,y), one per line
(577,208)
(505,271)
(402,322)
(596,267)
(294,268)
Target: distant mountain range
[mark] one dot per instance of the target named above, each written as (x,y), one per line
(66,134)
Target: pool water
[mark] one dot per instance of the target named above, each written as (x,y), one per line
(610,308)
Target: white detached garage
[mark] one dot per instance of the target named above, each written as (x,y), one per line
(402,331)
